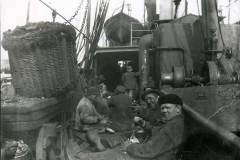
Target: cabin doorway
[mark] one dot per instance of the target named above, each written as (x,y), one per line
(113,64)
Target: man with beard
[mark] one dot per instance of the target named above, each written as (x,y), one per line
(150,112)
(164,142)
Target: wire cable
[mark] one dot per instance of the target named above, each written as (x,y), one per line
(231,3)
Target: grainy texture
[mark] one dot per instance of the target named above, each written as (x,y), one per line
(42,59)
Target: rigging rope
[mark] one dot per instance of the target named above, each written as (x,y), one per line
(76,12)
(84,20)
(81,43)
(63,18)
(231,3)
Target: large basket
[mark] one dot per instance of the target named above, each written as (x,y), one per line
(42,59)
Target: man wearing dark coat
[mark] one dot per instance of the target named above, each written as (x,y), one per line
(151,112)
(166,138)
(121,115)
(164,142)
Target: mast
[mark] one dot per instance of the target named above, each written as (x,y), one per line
(28,12)
(186,7)
(88,27)
(229,8)
(0,28)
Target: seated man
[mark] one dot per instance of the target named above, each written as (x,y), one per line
(87,119)
(152,111)
(86,112)
(165,139)
(149,113)
(102,86)
(120,115)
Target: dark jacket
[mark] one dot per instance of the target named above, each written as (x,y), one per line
(129,80)
(163,144)
(120,111)
(120,106)
(153,116)
(101,106)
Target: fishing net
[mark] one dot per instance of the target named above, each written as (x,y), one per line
(42,58)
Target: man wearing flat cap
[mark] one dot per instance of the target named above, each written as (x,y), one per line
(86,112)
(151,113)
(165,138)
(87,118)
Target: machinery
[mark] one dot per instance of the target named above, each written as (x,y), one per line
(196,58)
(192,56)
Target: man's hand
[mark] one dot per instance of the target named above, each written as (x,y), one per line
(136,109)
(125,145)
(104,121)
(139,121)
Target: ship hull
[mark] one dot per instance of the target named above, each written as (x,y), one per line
(118,28)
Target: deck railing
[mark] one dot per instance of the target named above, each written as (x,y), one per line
(137,32)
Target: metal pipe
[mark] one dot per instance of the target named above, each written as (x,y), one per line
(131,35)
(218,130)
(229,9)
(210,21)
(145,45)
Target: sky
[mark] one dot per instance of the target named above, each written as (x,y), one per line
(14,12)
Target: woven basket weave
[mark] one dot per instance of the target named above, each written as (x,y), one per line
(42,59)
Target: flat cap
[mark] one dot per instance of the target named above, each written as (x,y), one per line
(151,90)
(171,99)
(120,89)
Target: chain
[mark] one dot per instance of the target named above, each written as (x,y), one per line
(76,12)
(84,18)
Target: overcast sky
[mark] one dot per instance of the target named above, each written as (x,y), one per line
(13,12)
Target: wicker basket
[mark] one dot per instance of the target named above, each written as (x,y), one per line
(42,59)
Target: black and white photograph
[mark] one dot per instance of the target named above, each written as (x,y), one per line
(120,79)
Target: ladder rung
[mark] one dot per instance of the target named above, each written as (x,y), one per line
(141,30)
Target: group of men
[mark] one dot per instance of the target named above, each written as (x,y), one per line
(160,119)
